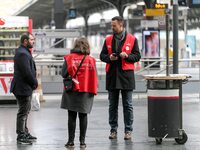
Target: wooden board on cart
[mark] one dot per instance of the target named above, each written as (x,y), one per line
(164,77)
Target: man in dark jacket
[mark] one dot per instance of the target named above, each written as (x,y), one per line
(22,86)
(120,51)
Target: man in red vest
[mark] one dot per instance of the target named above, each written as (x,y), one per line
(120,51)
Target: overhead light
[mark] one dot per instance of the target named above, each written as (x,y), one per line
(192,20)
(140,3)
(189,22)
(134,6)
(182,3)
(72,13)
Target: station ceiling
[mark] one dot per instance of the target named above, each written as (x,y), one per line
(41,11)
(193,18)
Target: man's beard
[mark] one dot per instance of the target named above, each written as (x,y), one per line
(115,32)
(29,46)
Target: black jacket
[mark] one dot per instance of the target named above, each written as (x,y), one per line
(24,80)
(116,78)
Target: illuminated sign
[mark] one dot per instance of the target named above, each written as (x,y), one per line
(182,2)
(72,13)
(155,12)
(160,6)
(194,3)
(168,2)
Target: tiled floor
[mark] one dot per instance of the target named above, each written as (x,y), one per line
(50,126)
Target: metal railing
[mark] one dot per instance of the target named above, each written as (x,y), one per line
(147,66)
(50,71)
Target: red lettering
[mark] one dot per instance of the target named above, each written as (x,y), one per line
(4,85)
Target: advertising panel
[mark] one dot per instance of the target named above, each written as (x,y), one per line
(151,44)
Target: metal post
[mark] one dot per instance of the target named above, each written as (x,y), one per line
(167,42)
(59,14)
(185,24)
(175,37)
(180,104)
(59,18)
(127,23)
(86,16)
(199,69)
(199,77)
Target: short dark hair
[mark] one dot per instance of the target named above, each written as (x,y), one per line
(25,36)
(118,18)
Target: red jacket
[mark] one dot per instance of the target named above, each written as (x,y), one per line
(127,47)
(86,76)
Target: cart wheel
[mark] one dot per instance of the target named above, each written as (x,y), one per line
(158,141)
(183,140)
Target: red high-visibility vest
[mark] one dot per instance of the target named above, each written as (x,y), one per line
(87,76)
(127,47)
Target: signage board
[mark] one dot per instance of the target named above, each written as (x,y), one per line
(160,6)
(149,23)
(14,22)
(155,12)
(168,2)
(72,13)
(150,44)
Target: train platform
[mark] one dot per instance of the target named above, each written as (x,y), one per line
(49,124)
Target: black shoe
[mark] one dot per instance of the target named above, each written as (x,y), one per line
(69,145)
(23,140)
(30,137)
(82,145)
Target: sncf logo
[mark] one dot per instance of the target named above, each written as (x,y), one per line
(2,21)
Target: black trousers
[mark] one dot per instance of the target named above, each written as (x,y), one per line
(24,103)
(72,125)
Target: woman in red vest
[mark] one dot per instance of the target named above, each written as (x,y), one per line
(80,100)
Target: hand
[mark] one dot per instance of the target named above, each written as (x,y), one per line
(35,87)
(123,55)
(112,58)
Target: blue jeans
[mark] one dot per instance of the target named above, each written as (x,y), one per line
(127,109)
